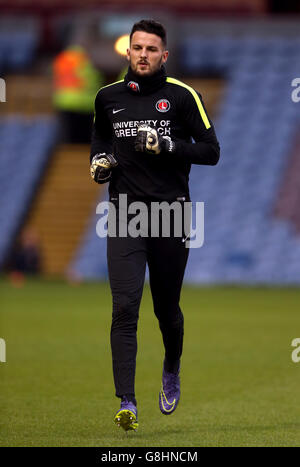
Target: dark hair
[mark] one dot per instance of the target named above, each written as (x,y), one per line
(152,27)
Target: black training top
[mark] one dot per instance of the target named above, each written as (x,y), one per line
(175,110)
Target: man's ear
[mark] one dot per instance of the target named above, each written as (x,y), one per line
(128,54)
(165,56)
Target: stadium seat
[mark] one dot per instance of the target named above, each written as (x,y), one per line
(25,149)
(18,44)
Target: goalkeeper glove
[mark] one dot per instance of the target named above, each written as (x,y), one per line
(149,140)
(101,166)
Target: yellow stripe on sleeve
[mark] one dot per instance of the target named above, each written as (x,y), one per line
(195,96)
(111,84)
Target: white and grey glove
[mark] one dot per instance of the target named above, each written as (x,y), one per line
(149,140)
(101,167)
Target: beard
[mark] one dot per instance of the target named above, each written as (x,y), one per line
(149,72)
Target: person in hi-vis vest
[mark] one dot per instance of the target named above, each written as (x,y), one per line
(76,82)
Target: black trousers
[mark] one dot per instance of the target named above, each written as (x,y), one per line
(127,258)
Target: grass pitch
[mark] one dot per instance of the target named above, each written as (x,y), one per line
(240,386)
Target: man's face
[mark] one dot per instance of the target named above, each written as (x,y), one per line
(146,53)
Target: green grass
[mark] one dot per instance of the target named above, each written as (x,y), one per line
(239,384)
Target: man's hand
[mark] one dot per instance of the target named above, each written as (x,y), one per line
(101,166)
(149,140)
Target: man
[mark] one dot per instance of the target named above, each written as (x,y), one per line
(142,144)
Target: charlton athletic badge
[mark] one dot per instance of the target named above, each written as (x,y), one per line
(163,105)
(134,86)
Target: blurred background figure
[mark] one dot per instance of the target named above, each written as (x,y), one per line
(26,258)
(76,82)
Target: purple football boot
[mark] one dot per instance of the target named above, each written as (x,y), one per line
(126,417)
(169,394)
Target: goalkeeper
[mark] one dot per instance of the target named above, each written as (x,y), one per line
(142,145)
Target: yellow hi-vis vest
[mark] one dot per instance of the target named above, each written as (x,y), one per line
(76,81)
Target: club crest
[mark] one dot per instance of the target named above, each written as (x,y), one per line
(134,86)
(163,105)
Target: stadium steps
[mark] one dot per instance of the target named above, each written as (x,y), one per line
(63,206)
